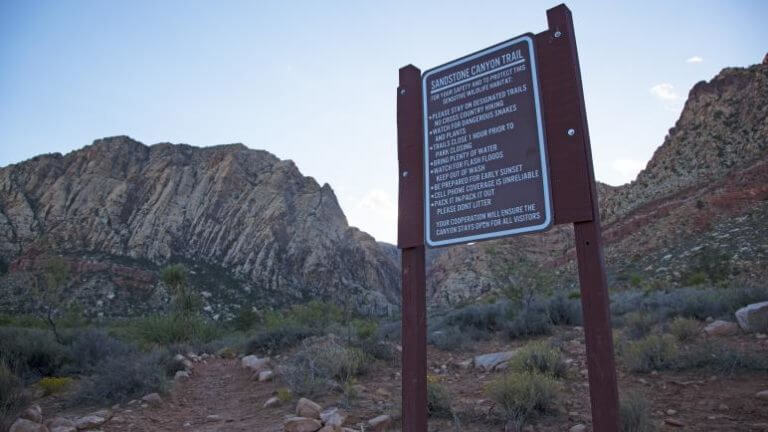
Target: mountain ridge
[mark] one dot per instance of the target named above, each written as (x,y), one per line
(278,234)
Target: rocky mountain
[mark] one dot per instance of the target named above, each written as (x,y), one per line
(252,229)
(698,212)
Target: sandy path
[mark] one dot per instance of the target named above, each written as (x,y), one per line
(218,388)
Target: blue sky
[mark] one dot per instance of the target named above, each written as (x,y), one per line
(315,81)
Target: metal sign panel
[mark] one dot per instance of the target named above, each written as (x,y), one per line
(484,150)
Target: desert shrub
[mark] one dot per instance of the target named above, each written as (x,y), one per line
(314,314)
(91,347)
(35,352)
(237,341)
(284,394)
(12,396)
(689,302)
(523,395)
(368,338)
(448,339)
(539,357)
(391,331)
(171,329)
(312,367)
(531,320)
(486,317)
(275,339)
(245,319)
(54,385)
(650,353)
(117,379)
(563,310)
(438,400)
(635,414)
(684,329)
(638,325)
(719,358)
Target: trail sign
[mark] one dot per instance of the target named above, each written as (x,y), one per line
(473,114)
(484,146)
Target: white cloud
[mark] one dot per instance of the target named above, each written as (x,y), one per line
(376,214)
(665,92)
(695,59)
(627,168)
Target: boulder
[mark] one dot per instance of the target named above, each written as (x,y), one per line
(59,422)
(90,422)
(301,424)
(578,428)
(180,375)
(271,402)
(329,429)
(34,414)
(255,363)
(754,317)
(762,395)
(266,375)
(333,417)
(307,408)
(153,399)
(721,328)
(488,362)
(24,425)
(63,429)
(380,423)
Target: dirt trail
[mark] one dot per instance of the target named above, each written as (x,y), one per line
(218,388)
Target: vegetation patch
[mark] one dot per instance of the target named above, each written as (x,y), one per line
(540,357)
(635,414)
(55,385)
(523,395)
(12,396)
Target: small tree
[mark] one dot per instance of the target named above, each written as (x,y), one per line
(521,279)
(185,303)
(50,292)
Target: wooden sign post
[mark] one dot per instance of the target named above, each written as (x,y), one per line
(458,185)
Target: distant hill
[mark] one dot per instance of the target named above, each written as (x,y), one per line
(255,232)
(698,212)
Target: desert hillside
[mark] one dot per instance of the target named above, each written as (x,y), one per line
(255,231)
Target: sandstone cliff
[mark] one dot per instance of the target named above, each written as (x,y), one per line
(253,229)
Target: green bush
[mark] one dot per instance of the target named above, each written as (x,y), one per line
(448,339)
(35,352)
(246,319)
(275,339)
(438,400)
(532,320)
(684,329)
(635,414)
(12,396)
(118,379)
(654,352)
(720,358)
(563,310)
(310,369)
(171,329)
(54,385)
(91,347)
(523,395)
(539,357)
(638,325)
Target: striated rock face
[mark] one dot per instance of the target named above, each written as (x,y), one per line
(702,198)
(253,229)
